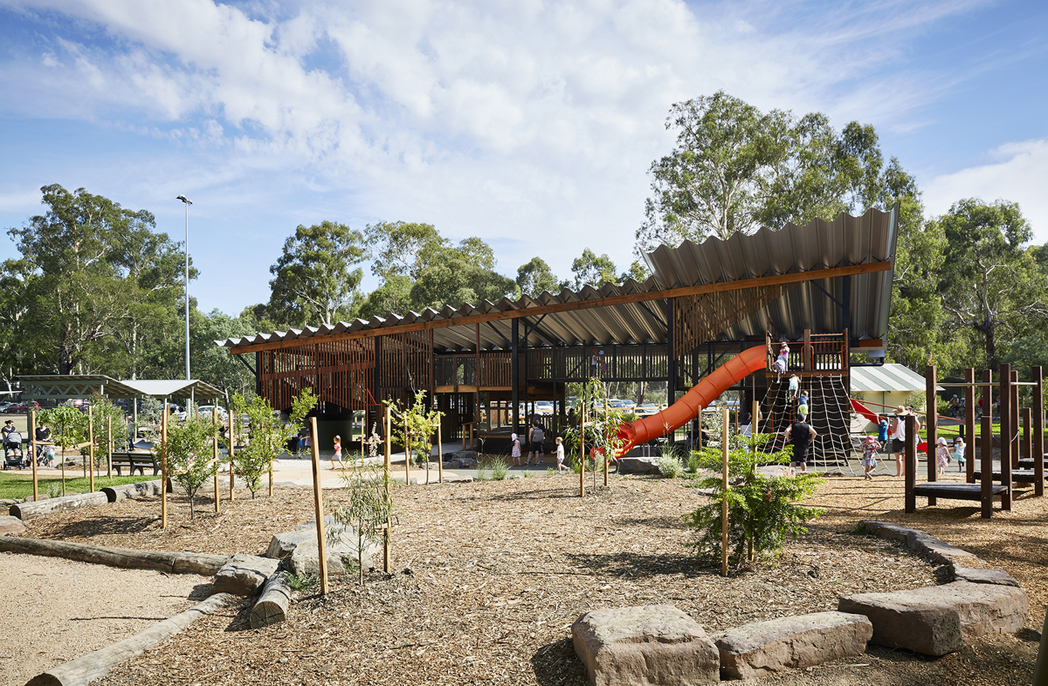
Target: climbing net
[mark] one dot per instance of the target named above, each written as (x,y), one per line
(829,413)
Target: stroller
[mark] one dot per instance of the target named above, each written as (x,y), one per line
(14,456)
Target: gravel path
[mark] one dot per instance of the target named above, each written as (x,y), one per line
(55,610)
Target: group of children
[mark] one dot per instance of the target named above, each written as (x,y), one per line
(943,455)
(536,449)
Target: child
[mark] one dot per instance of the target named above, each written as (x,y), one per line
(942,454)
(802,404)
(515,450)
(560,455)
(782,362)
(337,457)
(869,456)
(795,386)
(958,452)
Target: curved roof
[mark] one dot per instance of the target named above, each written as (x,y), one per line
(815,265)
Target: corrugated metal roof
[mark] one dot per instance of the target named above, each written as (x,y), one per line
(818,245)
(886,378)
(814,305)
(83,385)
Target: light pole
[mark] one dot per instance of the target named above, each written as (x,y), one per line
(187,203)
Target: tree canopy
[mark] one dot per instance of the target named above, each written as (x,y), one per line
(735,168)
(314,281)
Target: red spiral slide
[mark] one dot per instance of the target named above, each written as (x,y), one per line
(687,408)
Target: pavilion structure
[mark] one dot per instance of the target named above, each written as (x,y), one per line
(825,287)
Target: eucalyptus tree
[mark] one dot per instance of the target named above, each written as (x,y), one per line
(991,282)
(314,280)
(735,169)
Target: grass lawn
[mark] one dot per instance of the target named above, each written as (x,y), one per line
(20,484)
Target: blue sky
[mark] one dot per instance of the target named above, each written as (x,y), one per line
(530,124)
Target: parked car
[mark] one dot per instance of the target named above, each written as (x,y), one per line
(544,407)
(23,407)
(206,411)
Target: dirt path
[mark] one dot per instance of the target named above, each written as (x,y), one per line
(55,610)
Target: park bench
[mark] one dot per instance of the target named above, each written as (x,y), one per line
(135,461)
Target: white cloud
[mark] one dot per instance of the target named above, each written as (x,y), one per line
(531,124)
(1018,175)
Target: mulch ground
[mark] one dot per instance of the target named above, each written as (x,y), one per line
(488,577)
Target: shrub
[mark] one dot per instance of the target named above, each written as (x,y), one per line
(267,435)
(670,466)
(693,462)
(190,453)
(499,469)
(368,507)
(762,511)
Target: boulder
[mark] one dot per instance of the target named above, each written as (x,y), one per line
(933,620)
(776,470)
(461,459)
(984,576)
(639,465)
(11,526)
(958,560)
(244,575)
(761,648)
(648,645)
(301,547)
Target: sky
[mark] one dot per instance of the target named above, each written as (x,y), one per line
(530,124)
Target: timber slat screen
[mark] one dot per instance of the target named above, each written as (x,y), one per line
(405,365)
(339,372)
(579,363)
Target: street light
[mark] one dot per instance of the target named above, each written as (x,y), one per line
(187,203)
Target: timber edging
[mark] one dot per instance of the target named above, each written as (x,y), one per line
(127,558)
(87,668)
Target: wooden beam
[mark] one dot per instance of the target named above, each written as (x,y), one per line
(722,287)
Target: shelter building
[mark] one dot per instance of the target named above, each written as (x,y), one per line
(825,286)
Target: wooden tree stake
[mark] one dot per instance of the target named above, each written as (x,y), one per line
(407,453)
(218,493)
(607,441)
(724,486)
(582,446)
(440,454)
(318,511)
(91,444)
(232,451)
(109,448)
(32,452)
(387,464)
(163,468)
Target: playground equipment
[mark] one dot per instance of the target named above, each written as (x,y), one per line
(701,395)
(987,487)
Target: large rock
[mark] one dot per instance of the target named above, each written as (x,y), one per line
(757,649)
(300,546)
(964,565)
(11,526)
(461,459)
(934,620)
(244,575)
(647,645)
(639,465)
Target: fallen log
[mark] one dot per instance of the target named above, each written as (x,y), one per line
(272,605)
(173,563)
(42,508)
(87,668)
(142,489)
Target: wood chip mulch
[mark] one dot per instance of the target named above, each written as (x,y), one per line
(488,577)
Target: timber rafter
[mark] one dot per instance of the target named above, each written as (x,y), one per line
(720,287)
